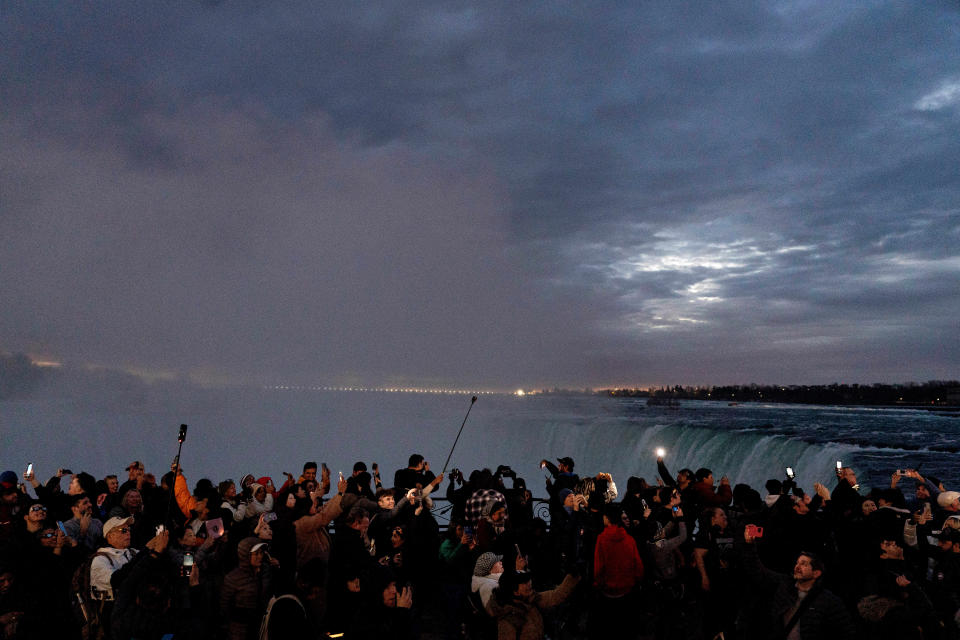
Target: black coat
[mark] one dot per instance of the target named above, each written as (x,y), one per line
(825,617)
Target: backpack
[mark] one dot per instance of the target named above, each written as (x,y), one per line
(87,611)
(265,624)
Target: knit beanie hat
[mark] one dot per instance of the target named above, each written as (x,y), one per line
(8,479)
(485,562)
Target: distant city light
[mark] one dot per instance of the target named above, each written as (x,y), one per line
(470,392)
(520,392)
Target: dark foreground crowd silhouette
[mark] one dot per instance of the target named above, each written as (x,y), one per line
(685,556)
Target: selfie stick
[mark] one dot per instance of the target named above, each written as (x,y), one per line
(180,439)
(472,400)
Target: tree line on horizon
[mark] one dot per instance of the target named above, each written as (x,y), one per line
(937,393)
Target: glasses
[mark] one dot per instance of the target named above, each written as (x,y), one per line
(48,534)
(121,530)
(37,507)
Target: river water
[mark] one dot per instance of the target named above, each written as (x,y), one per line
(267,431)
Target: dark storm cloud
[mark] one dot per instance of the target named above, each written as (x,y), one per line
(492,194)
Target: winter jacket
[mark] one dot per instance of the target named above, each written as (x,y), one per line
(825,617)
(523,620)
(243,599)
(663,552)
(617,566)
(313,541)
(707,496)
(253,508)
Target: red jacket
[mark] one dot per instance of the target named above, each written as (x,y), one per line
(617,566)
(708,497)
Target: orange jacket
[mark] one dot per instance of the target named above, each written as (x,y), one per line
(185,499)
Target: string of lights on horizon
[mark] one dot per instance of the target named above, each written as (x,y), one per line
(284,387)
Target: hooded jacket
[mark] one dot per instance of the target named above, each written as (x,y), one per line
(617,566)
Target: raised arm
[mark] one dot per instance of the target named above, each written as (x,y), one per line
(665,473)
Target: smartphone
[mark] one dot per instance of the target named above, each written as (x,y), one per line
(214,527)
(269,516)
(62,528)
(661,452)
(341,475)
(374,467)
(644,503)
(468,531)
(676,509)
(187,564)
(29,469)
(790,473)
(160,529)
(839,465)
(754,531)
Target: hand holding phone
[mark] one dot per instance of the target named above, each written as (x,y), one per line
(752,532)
(214,527)
(187,564)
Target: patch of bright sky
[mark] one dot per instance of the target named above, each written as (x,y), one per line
(664,318)
(675,253)
(919,266)
(946,95)
(687,251)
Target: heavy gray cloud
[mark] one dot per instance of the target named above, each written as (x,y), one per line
(495,195)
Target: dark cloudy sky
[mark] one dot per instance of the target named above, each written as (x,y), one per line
(493,194)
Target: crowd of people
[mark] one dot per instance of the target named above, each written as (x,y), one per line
(684,556)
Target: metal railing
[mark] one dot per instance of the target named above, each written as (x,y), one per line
(442,508)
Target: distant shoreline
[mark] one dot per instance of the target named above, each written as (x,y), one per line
(935,395)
